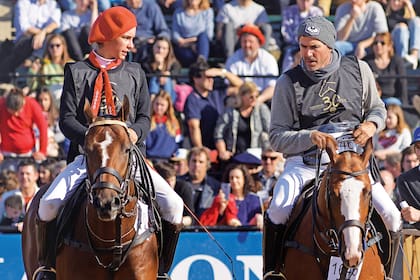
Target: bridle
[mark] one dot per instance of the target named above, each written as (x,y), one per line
(333,236)
(122,189)
(118,248)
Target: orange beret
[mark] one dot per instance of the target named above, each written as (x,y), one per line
(254,30)
(112,23)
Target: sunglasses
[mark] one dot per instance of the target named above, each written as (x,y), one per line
(267,157)
(55,46)
(379,42)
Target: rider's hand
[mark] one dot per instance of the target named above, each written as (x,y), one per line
(364,132)
(319,138)
(133,136)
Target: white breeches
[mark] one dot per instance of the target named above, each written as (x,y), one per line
(294,177)
(170,204)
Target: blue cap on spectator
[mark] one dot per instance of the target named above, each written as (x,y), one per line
(416,136)
(246,158)
(392,101)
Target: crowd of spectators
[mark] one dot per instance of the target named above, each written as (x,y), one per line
(209,132)
(211,73)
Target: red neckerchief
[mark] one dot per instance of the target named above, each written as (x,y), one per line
(103,81)
(160,119)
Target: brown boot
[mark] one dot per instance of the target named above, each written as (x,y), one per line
(45,233)
(170,239)
(272,244)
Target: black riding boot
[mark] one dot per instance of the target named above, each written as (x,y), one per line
(272,244)
(170,239)
(45,233)
(395,244)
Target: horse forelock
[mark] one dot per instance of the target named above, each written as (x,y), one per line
(106,145)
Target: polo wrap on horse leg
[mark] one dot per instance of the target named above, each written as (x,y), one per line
(395,244)
(45,233)
(170,239)
(272,244)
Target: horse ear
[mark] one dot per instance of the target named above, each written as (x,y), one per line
(368,148)
(125,109)
(90,117)
(331,148)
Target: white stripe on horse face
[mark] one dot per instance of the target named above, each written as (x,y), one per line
(350,193)
(104,144)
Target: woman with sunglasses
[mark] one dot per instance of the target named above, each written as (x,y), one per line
(385,63)
(243,127)
(55,57)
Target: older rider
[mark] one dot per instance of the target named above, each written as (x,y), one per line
(323,89)
(104,78)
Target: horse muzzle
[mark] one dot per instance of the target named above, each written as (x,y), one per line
(107,209)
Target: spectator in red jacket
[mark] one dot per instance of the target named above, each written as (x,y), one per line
(18,115)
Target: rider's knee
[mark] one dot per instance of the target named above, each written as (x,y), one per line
(278,215)
(171,209)
(48,210)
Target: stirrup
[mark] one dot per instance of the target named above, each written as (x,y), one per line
(272,273)
(43,269)
(163,276)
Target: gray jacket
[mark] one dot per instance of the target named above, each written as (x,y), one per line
(227,127)
(288,137)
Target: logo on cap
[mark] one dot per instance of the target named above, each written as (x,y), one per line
(312,30)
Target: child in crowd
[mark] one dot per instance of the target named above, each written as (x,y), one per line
(165,132)
(395,137)
(14,214)
(162,62)
(56,140)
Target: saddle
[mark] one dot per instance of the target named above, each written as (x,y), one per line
(67,216)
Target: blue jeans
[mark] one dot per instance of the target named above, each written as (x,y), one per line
(186,55)
(155,87)
(67,5)
(406,38)
(345,47)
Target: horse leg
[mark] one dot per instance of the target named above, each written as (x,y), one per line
(45,233)
(170,239)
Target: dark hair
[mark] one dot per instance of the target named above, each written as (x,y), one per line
(53,112)
(165,169)
(249,184)
(15,99)
(198,151)
(406,152)
(14,201)
(197,68)
(28,162)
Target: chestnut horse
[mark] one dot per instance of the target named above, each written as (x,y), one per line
(336,223)
(104,238)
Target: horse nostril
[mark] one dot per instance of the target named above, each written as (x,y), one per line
(117,202)
(96,203)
